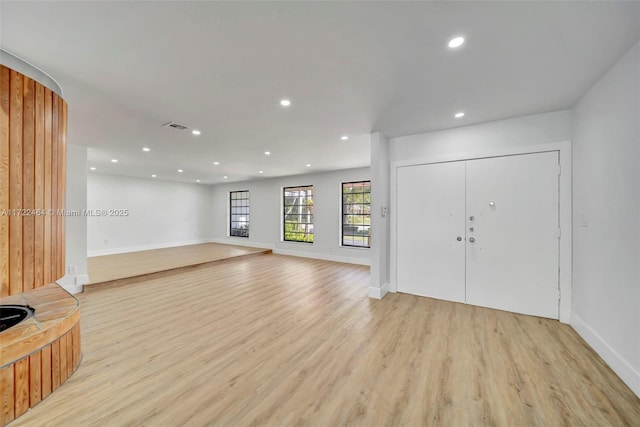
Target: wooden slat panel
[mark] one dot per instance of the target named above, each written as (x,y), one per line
(21,384)
(46,376)
(15,183)
(4,179)
(70,364)
(62,172)
(28,184)
(55,365)
(64,374)
(7,411)
(39,188)
(77,346)
(35,378)
(54,187)
(47,186)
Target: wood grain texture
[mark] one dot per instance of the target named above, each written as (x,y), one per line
(108,268)
(21,384)
(7,406)
(32,179)
(15,183)
(4,179)
(55,365)
(271,340)
(35,378)
(45,359)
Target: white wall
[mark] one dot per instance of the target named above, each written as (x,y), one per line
(75,226)
(522,131)
(161,214)
(606,202)
(379,223)
(266,215)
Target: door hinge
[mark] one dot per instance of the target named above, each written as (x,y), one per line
(559,232)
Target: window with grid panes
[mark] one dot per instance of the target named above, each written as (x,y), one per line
(298,214)
(356,214)
(239,213)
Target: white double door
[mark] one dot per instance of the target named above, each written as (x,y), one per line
(483,231)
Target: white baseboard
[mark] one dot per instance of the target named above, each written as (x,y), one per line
(240,241)
(100,252)
(621,367)
(379,293)
(325,257)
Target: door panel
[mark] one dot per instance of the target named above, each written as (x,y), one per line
(431,210)
(513,262)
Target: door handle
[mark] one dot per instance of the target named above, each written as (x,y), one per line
(472,239)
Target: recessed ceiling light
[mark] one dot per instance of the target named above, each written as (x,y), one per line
(308,165)
(92,168)
(147,149)
(459,115)
(216,163)
(267,153)
(197,180)
(153,176)
(344,137)
(225,177)
(285,102)
(114,160)
(456,42)
(196,132)
(180,170)
(260,171)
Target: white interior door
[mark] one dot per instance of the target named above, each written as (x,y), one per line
(430,219)
(512,262)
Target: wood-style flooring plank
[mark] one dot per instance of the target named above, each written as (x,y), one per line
(276,341)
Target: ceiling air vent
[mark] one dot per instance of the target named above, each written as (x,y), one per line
(175,126)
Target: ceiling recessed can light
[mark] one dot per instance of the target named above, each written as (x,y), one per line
(216,163)
(180,170)
(344,137)
(114,160)
(267,153)
(197,180)
(153,176)
(147,149)
(308,165)
(260,171)
(196,132)
(225,177)
(456,42)
(459,115)
(285,102)
(92,168)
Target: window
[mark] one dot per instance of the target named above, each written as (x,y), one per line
(356,213)
(298,214)
(239,213)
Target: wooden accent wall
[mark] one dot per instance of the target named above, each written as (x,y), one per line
(33,126)
(26,382)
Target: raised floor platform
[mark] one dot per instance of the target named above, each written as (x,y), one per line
(107,269)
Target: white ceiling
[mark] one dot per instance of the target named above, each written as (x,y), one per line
(349,68)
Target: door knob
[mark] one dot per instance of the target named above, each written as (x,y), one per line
(472,239)
(459,238)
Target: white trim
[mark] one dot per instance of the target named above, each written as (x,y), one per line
(73,289)
(325,257)
(22,66)
(240,241)
(621,367)
(379,293)
(565,262)
(128,249)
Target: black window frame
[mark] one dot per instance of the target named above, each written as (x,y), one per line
(363,231)
(308,235)
(239,231)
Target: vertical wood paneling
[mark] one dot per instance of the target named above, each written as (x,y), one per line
(35,375)
(47,186)
(21,384)
(7,412)
(76,346)
(70,364)
(28,184)
(46,371)
(64,374)
(55,365)
(15,182)
(63,187)
(4,179)
(39,187)
(54,186)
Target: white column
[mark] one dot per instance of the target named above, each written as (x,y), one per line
(379,216)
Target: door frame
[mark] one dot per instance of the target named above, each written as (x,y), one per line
(564,208)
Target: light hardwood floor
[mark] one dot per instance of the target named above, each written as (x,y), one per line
(273,340)
(107,268)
